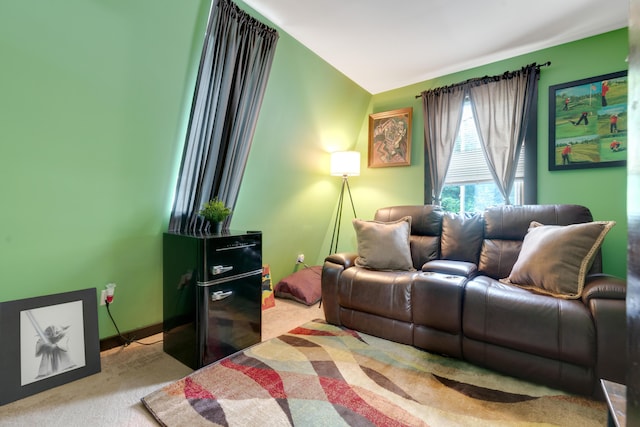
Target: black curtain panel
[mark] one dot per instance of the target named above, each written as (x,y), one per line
(234,68)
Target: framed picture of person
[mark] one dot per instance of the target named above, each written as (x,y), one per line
(390,138)
(47,341)
(588,122)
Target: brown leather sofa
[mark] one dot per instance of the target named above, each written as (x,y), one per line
(455,304)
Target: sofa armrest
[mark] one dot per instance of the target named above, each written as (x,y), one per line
(332,269)
(456,268)
(604,295)
(345,259)
(603,286)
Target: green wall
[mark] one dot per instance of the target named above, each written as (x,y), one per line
(602,190)
(92,102)
(95,96)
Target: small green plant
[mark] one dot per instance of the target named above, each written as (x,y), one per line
(215,210)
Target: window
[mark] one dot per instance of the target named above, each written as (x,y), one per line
(469,186)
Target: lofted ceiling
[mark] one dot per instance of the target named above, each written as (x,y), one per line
(384,45)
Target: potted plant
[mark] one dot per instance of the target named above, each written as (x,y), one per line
(215,211)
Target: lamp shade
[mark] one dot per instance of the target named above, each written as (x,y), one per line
(345,163)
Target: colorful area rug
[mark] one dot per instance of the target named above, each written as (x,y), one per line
(323,375)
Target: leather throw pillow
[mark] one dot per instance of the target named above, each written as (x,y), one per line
(384,245)
(555,259)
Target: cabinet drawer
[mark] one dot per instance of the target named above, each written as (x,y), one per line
(231,256)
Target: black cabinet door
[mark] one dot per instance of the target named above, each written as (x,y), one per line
(211,295)
(230,316)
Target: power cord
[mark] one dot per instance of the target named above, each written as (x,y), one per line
(127,341)
(307,266)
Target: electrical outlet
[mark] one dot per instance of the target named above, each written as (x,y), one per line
(300,258)
(107,294)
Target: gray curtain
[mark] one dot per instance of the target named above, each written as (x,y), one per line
(501,108)
(236,59)
(442,109)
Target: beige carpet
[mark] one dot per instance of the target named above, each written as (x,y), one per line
(112,397)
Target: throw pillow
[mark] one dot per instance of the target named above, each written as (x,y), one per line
(302,286)
(554,259)
(384,245)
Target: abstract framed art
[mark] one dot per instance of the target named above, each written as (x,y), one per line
(588,122)
(390,138)
(47,341)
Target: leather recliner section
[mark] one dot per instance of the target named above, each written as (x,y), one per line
(387,294)
(437,312)
(508,316)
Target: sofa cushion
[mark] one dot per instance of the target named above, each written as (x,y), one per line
(462,237)
(555,259)
(518,319)
(386,294)
(506,226)
(426,228)
(384,245)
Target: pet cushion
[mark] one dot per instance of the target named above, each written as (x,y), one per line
(384,245)
(302,286)
(554,259)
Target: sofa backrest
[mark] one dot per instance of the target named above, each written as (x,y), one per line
(491,240)
(506,226)
(426,228)
(462,236)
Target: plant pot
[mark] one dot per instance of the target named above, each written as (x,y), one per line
(215,227)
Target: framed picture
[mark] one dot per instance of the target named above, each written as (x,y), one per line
(47,341)
(588,123)
(390,138)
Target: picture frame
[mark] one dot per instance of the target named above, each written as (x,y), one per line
(588,128)
(47,341)
(390,138)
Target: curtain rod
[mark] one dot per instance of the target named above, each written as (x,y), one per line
(496,77)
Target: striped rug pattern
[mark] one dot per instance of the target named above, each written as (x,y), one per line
(322,375)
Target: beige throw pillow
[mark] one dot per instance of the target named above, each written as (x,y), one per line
(554,259)
(384,245)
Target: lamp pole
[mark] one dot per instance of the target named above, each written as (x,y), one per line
(344,164)
(336,225)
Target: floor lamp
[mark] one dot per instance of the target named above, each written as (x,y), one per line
(344,164)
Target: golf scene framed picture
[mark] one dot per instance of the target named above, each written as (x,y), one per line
(588,122)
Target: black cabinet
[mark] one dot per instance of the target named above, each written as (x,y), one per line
(211,295)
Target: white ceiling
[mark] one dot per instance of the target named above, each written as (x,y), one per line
(386,44)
